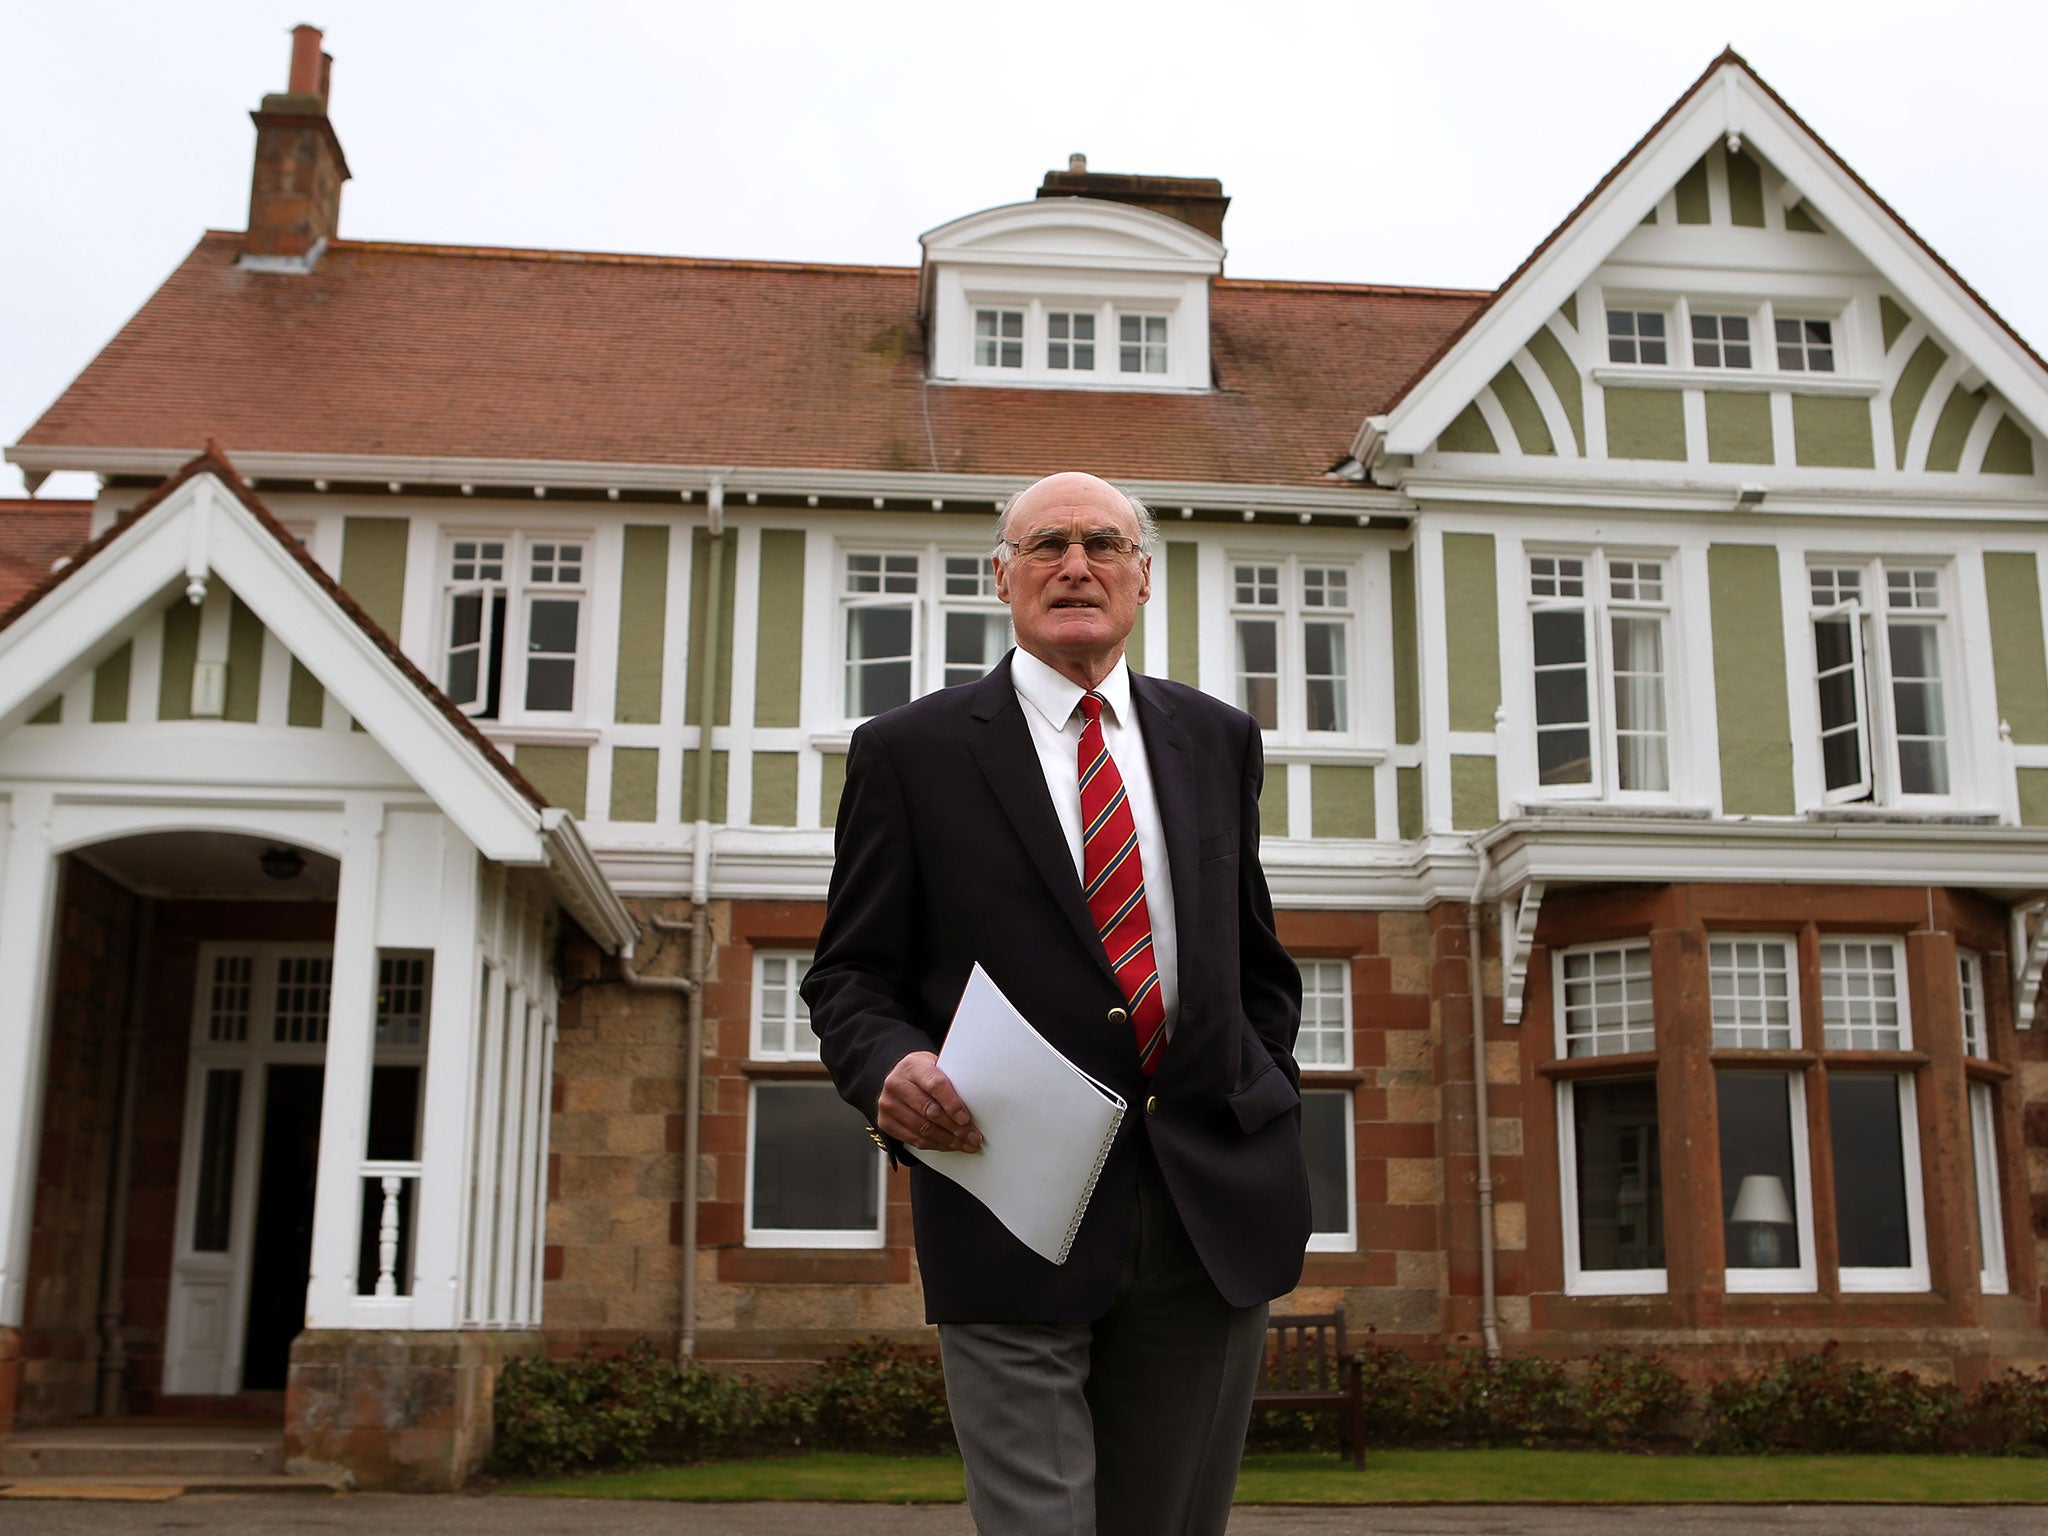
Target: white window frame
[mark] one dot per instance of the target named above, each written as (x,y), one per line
(1315,971)
(1976,1023)
(929,606)
(1901,994)
(1000,312)
(1993,1274)
(1558,986)
(1109,311)
(1876,726)
(1638,308)
(1720,314)
(1290,615)
(1578,1280)
(1744,1279)
(1913,1275)
(1787,945)
(1598,609)
(1763,315)
(518,590)
(792,965)
(1345,1241)
(1793,314)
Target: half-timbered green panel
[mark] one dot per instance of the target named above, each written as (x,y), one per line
(1693,205)
(1799,218)
(1832,432)
(373,568)
(180,657)
(1341,800)
(1911,389)
(1408,801)
(51,713)
(1952,429)
(720,778)
(2019,659)
(1557,367)
(1183,613)
(636,778)
(110,686)
(2010,451)
(1646,424)
(307,700)
(1467,433)
(1892,318)
(562,774)
(1471,622)
(1407,648)
(1745,191)
(1475,791)
(1273,803)
(2033,788)
(245,663)
(774,789)
(643,626)
(721,684)
(1532,432)
(831,783)
(1750,694)
(1738,428)
(779,636)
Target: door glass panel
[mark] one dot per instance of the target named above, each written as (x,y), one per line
(219,1131)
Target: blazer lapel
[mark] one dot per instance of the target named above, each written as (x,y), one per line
(1008,759)
(1173,787)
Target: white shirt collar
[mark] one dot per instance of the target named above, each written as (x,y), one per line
(1055,697)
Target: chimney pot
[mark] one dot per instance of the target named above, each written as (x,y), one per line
(308,76)
(1077,164)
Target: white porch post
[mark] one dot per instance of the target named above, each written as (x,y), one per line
(28,892)
(450,1090)
(345,1094)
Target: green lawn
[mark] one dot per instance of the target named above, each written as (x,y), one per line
(1390,1477)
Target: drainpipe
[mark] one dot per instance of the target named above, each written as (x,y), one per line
(1489,1314)
(113,1362)
(692,985)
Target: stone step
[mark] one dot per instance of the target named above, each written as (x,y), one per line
(166,1453)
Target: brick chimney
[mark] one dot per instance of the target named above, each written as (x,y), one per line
(295,194)
(1195,200)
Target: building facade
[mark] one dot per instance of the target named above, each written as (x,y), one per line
(420,801)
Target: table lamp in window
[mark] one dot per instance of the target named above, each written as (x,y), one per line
(1760,1205)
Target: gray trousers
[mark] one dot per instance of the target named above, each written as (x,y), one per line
(1130,1425)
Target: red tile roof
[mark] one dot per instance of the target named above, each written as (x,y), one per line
(34,536)
(214,462)
(465,352)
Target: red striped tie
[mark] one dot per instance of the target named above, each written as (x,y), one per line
(1114,878)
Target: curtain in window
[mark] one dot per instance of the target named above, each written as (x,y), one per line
(1640,731)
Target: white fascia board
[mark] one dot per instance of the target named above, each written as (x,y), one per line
(581,887)
(202,754)
(520,475)
(1081,266)
(1565,849)
(1697,488)
(502,824)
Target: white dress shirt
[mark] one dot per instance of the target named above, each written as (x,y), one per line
(1052,711)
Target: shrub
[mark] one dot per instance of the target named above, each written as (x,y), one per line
(879,1396)
(1628,1399)
(2009,1414)
(555,1415)
(1820,1402)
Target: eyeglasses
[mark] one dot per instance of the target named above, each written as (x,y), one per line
(1051,548)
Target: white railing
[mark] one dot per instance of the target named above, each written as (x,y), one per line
(388,1211)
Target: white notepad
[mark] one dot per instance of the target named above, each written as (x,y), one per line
(1046,1125)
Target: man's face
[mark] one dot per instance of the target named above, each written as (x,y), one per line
(1074,616)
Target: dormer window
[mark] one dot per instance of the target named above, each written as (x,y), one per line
(1636,336)
(1720,341)
(1070,293)
(1806,346)
(1723,336)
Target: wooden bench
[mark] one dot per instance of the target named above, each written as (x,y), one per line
(1309,1368)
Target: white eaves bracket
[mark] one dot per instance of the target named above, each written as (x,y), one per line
(1517,939)
(2029,959)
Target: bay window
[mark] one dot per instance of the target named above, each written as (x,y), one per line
(1599,627)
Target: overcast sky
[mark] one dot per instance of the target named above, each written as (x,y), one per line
(1425,142)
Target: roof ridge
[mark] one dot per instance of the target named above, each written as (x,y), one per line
(1332,285)
(593,258)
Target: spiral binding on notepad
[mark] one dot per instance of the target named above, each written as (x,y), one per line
(1088,1190)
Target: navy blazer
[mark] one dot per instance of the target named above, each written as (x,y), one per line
(948,853)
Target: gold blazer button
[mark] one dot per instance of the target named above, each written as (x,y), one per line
(1119,1016)
(1152,1105)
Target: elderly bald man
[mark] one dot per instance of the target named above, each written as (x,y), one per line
(1090,837)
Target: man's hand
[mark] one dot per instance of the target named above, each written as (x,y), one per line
(920,1109)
